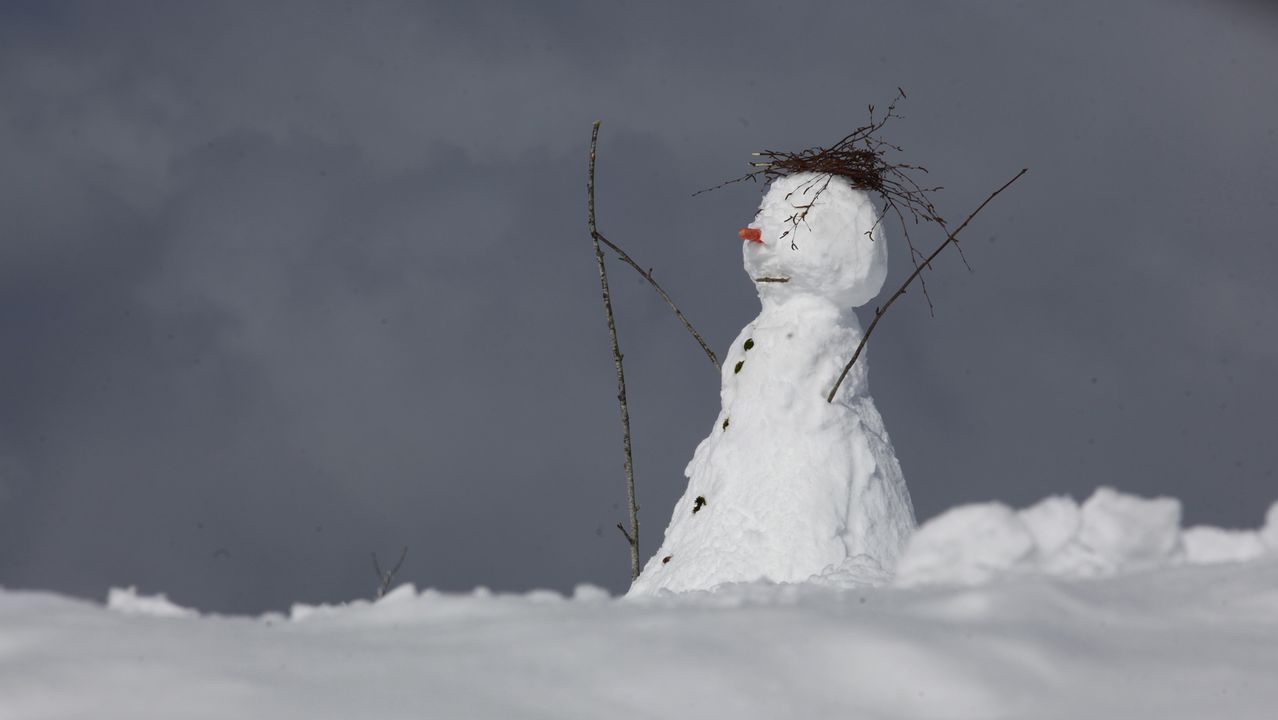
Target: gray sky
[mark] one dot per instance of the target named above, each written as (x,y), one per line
(281,285)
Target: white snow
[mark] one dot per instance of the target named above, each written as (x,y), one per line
(1162,639)
(1110,533)
(1209,545)
(787,486)
(128,601)
(1125,531)
(1053,522)
(1270,532)
(968,544)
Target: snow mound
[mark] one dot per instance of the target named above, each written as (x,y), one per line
(128,601)
(406,600)
(1110,533)
(966,545)
(1270,534)
(1205,544)
(1190,637)
(1186,642)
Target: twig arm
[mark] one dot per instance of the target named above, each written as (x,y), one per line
(647,275)
(398,563)
(879,311)
(384,579)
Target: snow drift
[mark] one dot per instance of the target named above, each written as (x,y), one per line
(1106,609)
(1109,533)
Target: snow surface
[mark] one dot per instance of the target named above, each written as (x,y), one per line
(1109,533)
(787,486)
(127,600)
(1165,638)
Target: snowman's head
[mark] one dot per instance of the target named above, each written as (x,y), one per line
(834,251)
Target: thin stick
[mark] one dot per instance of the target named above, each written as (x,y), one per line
(384,578)
(647,275)
(879,311)
(632,537)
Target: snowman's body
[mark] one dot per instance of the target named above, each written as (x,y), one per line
(788,486)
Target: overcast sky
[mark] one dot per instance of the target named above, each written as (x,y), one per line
(284,284)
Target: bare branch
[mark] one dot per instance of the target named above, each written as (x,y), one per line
(647,275)
(403,553)
(918,268)
(632,537)
(384,579)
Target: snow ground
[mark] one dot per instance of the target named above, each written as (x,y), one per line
(1183,638)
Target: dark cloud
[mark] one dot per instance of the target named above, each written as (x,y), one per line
(281,286)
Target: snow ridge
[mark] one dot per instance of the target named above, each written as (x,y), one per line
(1108,534)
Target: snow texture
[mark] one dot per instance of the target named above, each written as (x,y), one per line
(1270,532)
(1110,533)
(128,601)
(1175,641)
(1210,545)
(787,486)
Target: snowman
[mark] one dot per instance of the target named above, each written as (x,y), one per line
(788,486)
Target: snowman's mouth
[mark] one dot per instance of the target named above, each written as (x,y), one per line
(772,279)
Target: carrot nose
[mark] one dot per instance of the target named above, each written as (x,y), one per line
(751,235)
